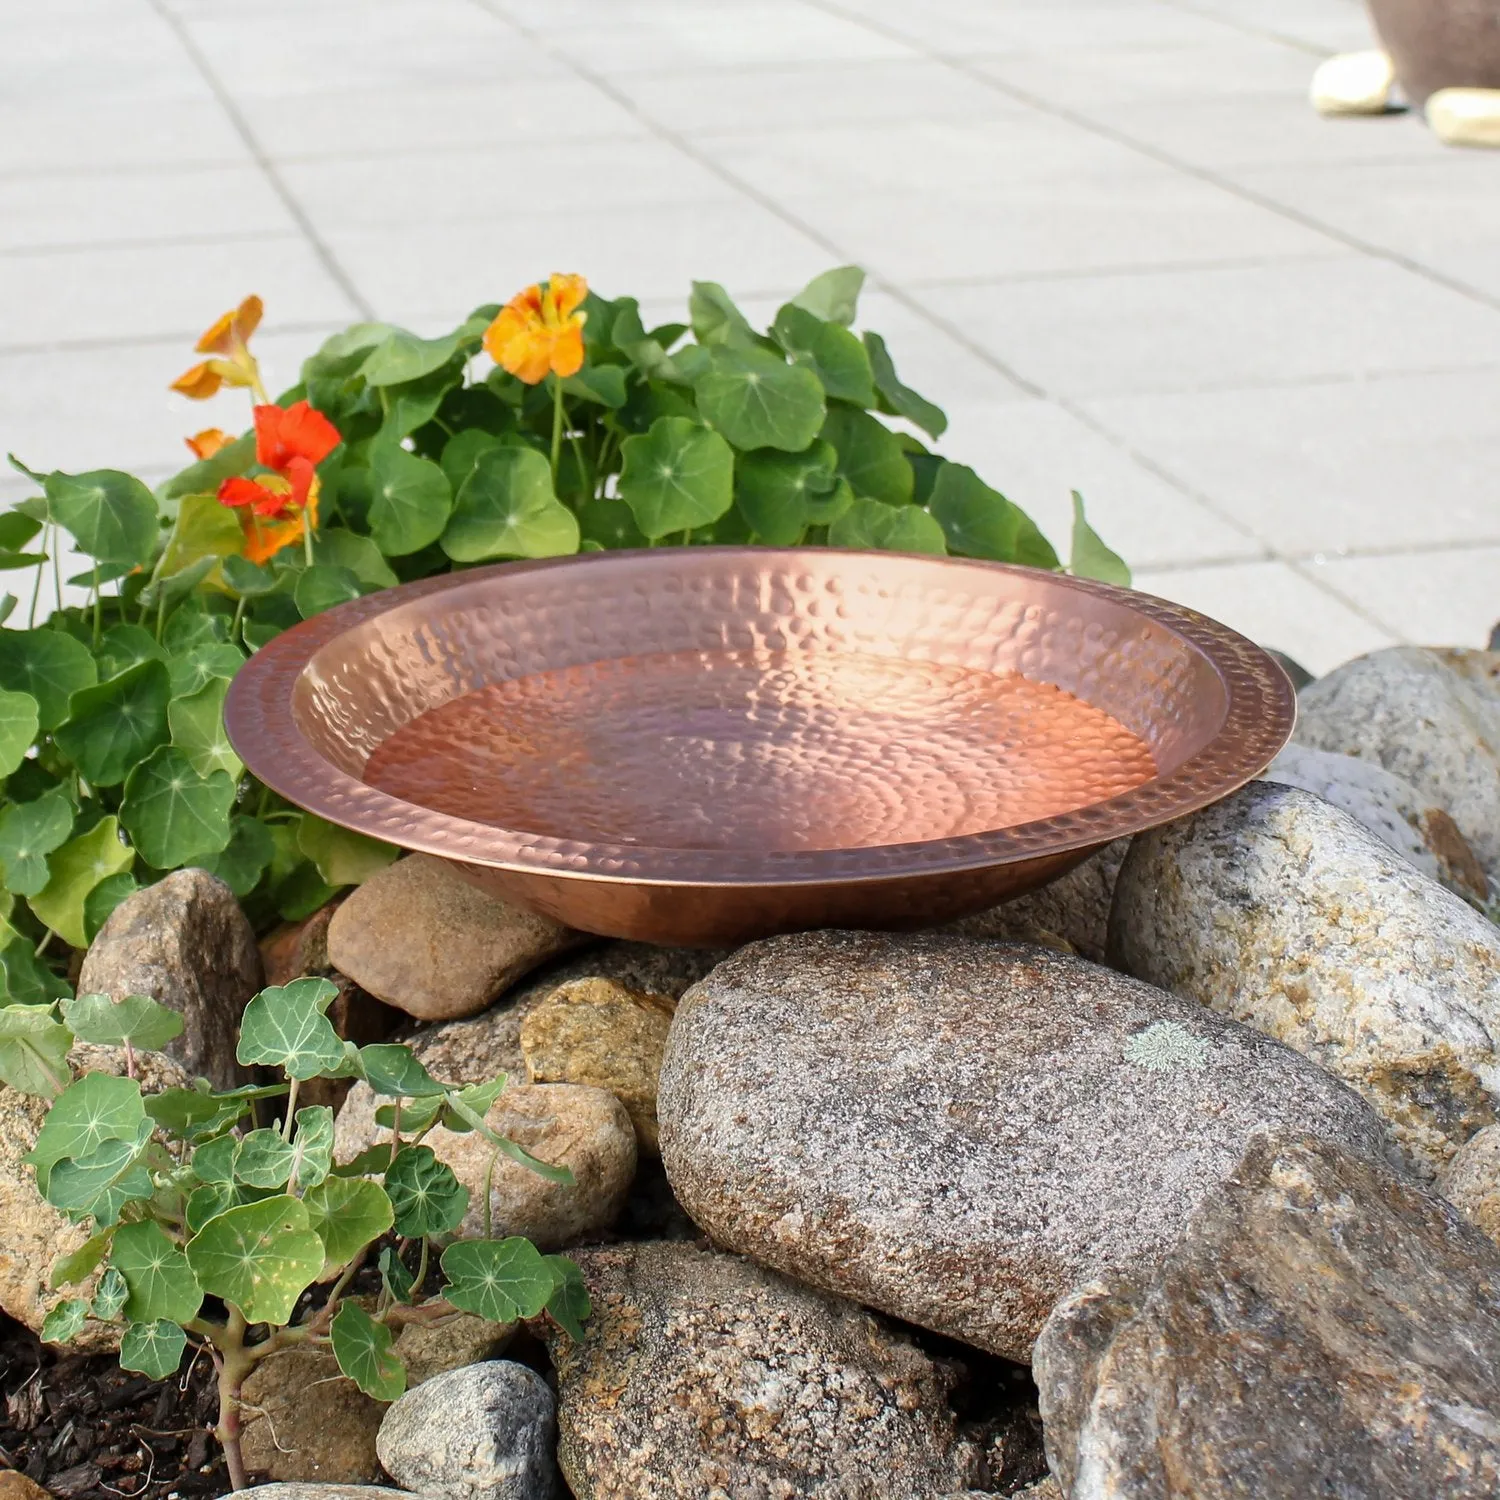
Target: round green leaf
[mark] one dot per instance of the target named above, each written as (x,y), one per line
(609,523)
(426,1196)
(204,529)
(569,1303)
(363,1349)
(153,1349)
(65,1321)
(1090,557)
(342,856)
(135,1019)
(29,832)
(831,352)
(347,1213)
(172,814)
(980,522)
(112,516)
(112,728)
(781,494)
(76,868)
(715,318)
(901,399)
(401,356)
(95,1109)
(506,508)
(206,662)
(263,1160)
(109,1296)
(242,862)
(78,1265)
(320,587)
(47,664)
(347,549)
(834,295)
(19,720)
(24,978)
(410,501)
(285,1027)
(462,452)
(312,1146)
(393,1070)
(99,1184)
(160,1281)
(677,476)
(33,1050)
(757,400)
(260,1257)
(502,1280)
(213,1161)
(868,524)
(870,455)
(196,722)
(100,903)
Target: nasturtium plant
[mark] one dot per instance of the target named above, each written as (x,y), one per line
(219,1219)
(555,424)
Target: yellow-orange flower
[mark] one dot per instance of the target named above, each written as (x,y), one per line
(265,537)
(232,364)
(208,442)
(540,331)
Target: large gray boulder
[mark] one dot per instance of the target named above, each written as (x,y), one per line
(1282,912)
(958,1132)
(1432,717)
(186,943)
(1392,809)
(1325,1327)
(701,1374)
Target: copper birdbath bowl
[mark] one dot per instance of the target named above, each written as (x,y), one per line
(700,746)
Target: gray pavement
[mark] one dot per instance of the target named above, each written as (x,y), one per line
(1109,236)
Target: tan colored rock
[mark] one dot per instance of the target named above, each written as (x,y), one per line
(186,943)
(306,1421)
(1465,117)
(1471,1181)
(1071,914)
(16,1486)
(421,938)
(476,1049)
(563,1124)
(297,948)
(1325,1326)
(1277,909)
(33,1233)
(428,1349)
(598,1032)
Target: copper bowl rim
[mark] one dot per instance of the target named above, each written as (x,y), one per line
(1261,710)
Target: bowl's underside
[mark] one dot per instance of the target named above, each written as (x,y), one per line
(707,745)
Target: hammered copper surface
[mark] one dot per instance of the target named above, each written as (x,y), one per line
(706,745)
(1440,44)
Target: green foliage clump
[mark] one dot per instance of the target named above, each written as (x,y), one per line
(209,1227)
(112,745)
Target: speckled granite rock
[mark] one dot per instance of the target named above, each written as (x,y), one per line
(957,1132)
(1279,910)
(421,938)
(184,942)
(1075,908)
(562,1124)
(478,1048)
(485,1432)
(326,1492)
(33,1233)
(598,1032)
(1390,808)
(702,1375)
(304,1420)
(1432,717)
(1326,1327)
(1471,1180)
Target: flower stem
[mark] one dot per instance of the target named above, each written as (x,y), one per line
(307,548)
(98,609)
(239,617)
(557,426)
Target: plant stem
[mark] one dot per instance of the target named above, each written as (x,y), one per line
(489,1217)
(557,426)
(56,568)
(291,1110)
(395,1130)
(36,593)
(421,1267)
(161,612)
(234,1365)
(47,937)
(307,548)
(239,616)
(98,609)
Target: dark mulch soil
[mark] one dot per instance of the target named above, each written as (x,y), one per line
(86,1430)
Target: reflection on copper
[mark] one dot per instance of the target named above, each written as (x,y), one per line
(711,744)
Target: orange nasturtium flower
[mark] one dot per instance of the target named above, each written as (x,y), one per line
(228,342)
(208,442)
(280,508)
(540,330)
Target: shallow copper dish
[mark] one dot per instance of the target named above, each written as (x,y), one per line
(706,745)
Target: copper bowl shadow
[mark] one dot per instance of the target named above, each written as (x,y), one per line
(700,746)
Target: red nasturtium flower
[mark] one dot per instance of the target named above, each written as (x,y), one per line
(540,330)
(208,442)
(280,508)
(228,342)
